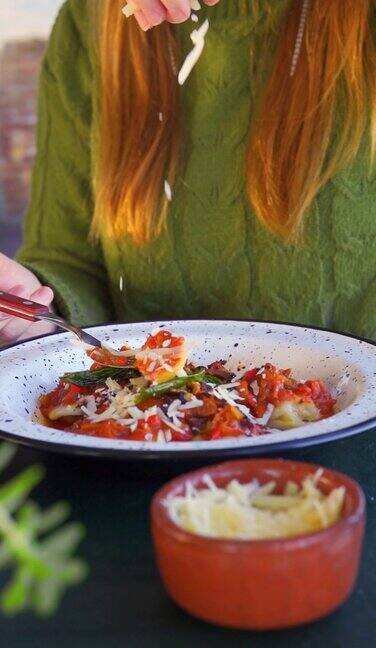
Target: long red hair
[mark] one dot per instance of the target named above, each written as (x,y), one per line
(296,142)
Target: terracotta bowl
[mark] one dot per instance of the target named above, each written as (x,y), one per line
(260,584)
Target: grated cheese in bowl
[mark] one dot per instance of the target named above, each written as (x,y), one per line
(254,512)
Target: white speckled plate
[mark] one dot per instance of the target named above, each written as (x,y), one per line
(33,367)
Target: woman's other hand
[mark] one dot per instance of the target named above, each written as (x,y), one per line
(153,12)
(17,280)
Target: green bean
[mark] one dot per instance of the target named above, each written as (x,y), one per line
(99,376)
(154,391)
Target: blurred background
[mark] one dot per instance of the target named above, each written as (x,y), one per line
(24,29)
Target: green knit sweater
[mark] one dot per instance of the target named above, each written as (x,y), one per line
(214,259)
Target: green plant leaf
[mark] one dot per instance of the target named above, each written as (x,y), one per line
(16,594)
(32,519)
(64,541)
(46,597)
(7,452)
(53,516)
(5,556)
(74,571)
(28,517)
(17,489)
(43,565)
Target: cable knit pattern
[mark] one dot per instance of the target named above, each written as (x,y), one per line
(214,259)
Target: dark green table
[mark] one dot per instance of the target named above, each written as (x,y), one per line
(123,603)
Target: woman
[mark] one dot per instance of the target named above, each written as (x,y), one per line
(269,150)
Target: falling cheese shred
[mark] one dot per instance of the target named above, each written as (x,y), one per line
(168,190)
(254,512)
(198,40)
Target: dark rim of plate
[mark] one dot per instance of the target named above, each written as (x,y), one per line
(198,455)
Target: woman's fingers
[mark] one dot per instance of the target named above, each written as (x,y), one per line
(19,281)
(15,328)
(43,295)
(36,328)
(11,327)
(17,291)
(177,10)
(150,14)
(142,20)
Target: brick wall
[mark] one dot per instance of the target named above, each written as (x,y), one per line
(19,69)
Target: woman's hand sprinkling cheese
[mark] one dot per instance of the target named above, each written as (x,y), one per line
(150,13)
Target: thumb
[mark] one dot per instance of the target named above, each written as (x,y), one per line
(42,295)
